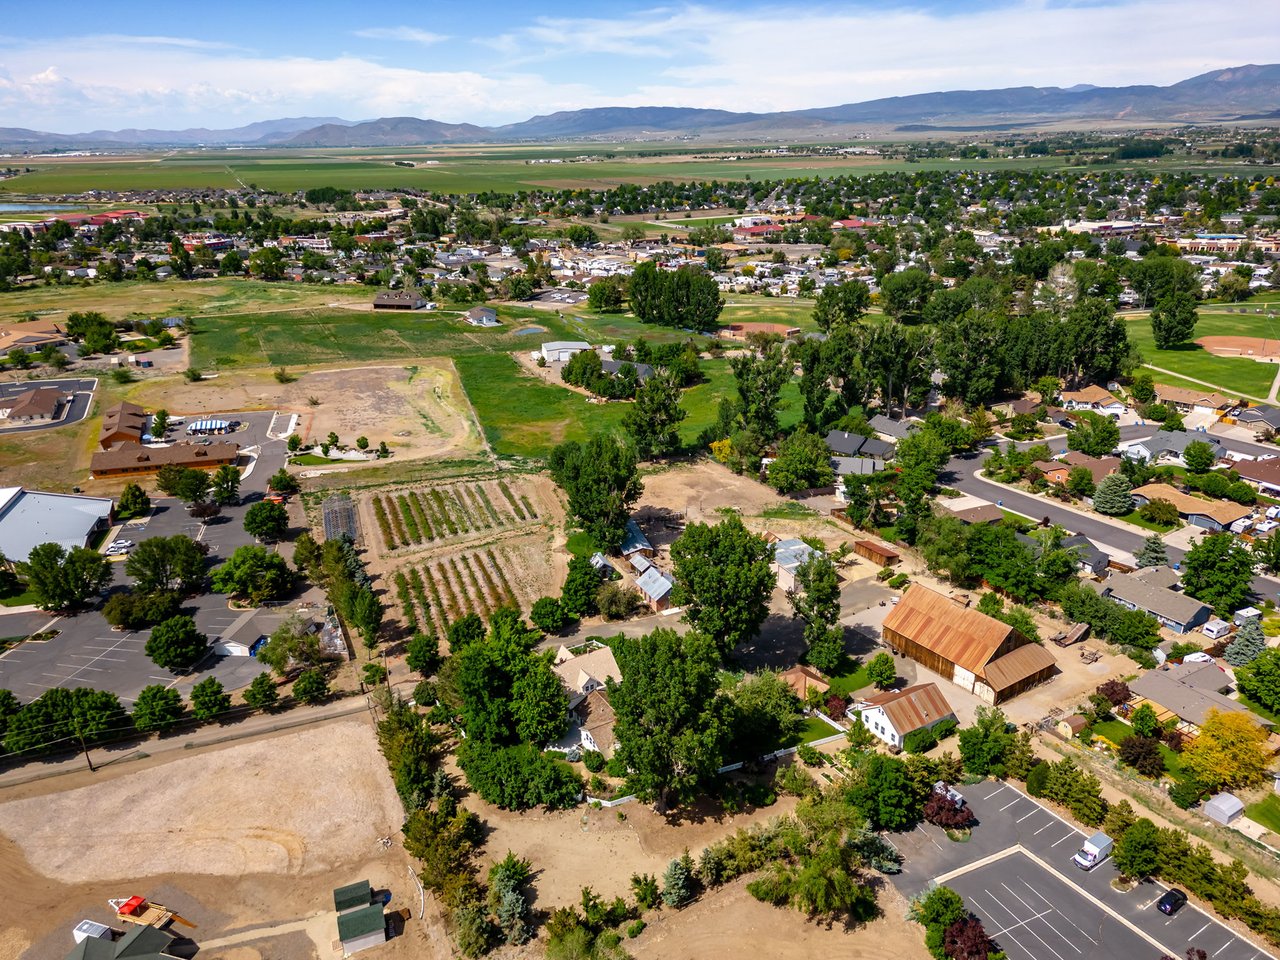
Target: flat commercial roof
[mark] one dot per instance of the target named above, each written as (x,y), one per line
(29,518)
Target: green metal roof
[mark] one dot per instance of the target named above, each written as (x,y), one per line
(358,923)
(138,943)
(352,895)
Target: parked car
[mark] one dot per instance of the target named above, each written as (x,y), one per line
(1171,902)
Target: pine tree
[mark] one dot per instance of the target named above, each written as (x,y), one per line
(677,882)
(1112,496)
(1153,553)
(1249,642)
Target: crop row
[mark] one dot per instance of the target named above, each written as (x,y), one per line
(448,589)
(436,513)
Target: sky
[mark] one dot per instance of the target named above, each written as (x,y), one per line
(148,63)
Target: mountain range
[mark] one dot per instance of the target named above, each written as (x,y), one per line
(1249,92)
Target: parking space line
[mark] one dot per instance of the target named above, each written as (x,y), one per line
(1047,923)
(994,792)
(1198,932)
(1063,915)
(1224,946)
(1009,804)
(1031,814)
(1043,829)
(1014,926)
(1056,842)
(1029,930)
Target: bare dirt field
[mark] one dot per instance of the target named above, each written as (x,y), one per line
(242,840)
(418,409)
(732,923)
(700,489)
(1256,348)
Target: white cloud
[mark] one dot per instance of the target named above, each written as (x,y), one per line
(771,58)
(405,34)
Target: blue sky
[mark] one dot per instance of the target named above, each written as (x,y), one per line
(148,63)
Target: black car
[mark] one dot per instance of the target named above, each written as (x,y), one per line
(1171,902)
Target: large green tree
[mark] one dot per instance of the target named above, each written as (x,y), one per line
(1094,434)
(174,563)
(760,375)
(176,644)
(157,709)
(816,600)
(226,485)
(255,574)
(671,727)
(602,483)
(653,420)
(1218,571)
(1260,680)
(841,305)
(803,462)
(65,580)
(1173,320)
(723,580)
(267,521)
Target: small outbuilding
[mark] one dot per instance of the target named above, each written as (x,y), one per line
(1071,726)
(361,922)
(878,553)
(1225,808)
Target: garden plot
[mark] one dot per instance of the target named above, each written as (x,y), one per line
(422,517)
(438,591)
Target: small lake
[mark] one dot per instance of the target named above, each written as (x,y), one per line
(525,330)
(37,207)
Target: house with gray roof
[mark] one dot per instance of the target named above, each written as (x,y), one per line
(1177,611)
(1170,445)
(788,555)
(634,541)
(893,429)
(1188,692)
(1262,420)
(844,444)
(656,588)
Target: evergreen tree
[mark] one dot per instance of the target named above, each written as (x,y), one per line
(1113,497)
(677,882)
(1249,642)
(1153,552)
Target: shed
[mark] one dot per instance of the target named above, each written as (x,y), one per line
(634,541)
(361,928)
(1225,808)
(1071,726)
(876,552)
(353,895)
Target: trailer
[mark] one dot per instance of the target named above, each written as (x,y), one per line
(146,913)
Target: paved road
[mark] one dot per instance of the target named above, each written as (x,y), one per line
(1008,820)
(961,473)
(81,401)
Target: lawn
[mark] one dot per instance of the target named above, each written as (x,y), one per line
(1133,517)
(1260,710)
(1232,375)
(853,679)
(1266,812)
(813,729)
(24,596)
(1114,730)
(580,544)
(311,460)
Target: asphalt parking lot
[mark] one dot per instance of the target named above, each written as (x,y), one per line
(1022,844)
(88,652)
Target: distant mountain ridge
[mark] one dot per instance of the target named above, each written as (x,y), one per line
(1247,92)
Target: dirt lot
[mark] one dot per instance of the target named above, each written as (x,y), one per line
(419,410)
(234,838)
(732,923)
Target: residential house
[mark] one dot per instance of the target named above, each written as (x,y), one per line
(853,467)
(1171,444)
(399,300)
(1211,514)
(655,586)
(634,541)
(1095,398)
(1187,692)
(40,405)
(1089,558)
(894,714)
(1263,420)
(981,513)
(124,423)
(612,368)
(29,518)
(893,430)
(1151,593)
(585,672)
(1098,467)
(788,556)
(361,922)
(1194,401)
(802,679)
(595,723)
(125,461)
(977,653)
(844,444)
(1263,474)
(482,317)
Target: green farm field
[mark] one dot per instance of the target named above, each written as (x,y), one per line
(472,169)
(1234,376)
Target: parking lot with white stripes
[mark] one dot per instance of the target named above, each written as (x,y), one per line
(1016,874)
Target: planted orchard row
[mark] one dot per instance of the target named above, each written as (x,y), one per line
(422,516)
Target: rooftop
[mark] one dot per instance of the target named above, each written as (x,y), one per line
(30,518)
(960,635)
(912,707)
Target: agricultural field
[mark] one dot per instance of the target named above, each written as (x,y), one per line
(1234,376)
(470,545)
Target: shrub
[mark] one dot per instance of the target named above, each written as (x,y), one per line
(617,602)
(1143,754)
(946,813)
(312,686)
(548,615)
(899,581)
(635,929)
(884,573)
(678,882)
(519,777)
(593,760)
(1037,779)
(810,756)
(424,693)
(920,741)
(645,888)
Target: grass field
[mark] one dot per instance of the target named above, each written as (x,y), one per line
(1232,375)
(1266,812)
(471,169)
